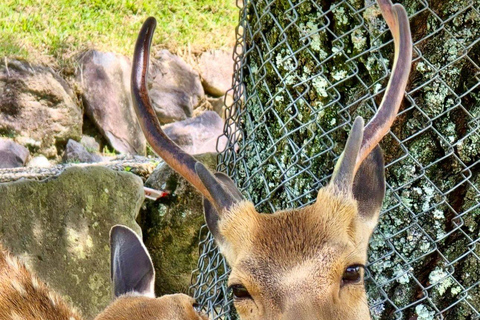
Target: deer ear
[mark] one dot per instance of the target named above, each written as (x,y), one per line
(131,266)
(212,216)
(369,187)
(230,185)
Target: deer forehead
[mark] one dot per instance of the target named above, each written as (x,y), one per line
(310,286)
(279,274)
(291,235)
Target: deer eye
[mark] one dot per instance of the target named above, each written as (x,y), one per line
(197,307)
(240,292)
(353,274)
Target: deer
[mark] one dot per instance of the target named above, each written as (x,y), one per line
(305,263)
(25,297)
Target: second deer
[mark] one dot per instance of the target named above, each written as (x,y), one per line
(25,297)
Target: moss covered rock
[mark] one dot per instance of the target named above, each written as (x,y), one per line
(171,227)
(60,228)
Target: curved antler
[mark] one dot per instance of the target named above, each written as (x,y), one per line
(175,157)
(377,128)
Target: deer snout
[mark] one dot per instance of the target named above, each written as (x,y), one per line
(186,304)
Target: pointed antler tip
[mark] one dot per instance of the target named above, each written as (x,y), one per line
(151,20)
(359,121)
(398,23)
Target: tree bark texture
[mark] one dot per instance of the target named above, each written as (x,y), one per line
(304,71)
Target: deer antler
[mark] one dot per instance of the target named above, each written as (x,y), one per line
(176,158)
(213,188)
(377,128)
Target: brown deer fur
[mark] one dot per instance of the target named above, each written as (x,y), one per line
(24,297)
(171,307)
(291,261)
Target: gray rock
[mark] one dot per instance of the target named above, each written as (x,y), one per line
(216,70)
(90,144)
(175,88)
(172,227)
(105,81)
(39,162)
(37,108)
(197,135)
(76,152)
(219,104)
(60,228)
(12,155)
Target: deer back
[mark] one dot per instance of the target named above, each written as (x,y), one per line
(24,297)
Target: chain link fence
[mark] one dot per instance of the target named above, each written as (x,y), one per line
(303,70)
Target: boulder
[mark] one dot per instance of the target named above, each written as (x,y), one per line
(39,162)
(219,104)
(216,71)
(76,152)
(60,228)
(171,227)
(12,155)
(175,88)
(37,108)
(197,135)
(90,144)
(105,82)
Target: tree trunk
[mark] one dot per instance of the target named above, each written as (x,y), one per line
(307,69)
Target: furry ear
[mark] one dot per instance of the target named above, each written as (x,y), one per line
(369,187)
(131,266)
(344,171)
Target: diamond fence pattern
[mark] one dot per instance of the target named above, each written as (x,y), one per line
(303,70)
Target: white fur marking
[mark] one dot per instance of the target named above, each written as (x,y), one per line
(18,287)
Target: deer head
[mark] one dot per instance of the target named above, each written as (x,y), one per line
(24,297)
(133,279)
(303,263)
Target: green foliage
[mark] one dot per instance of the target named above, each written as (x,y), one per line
(107,152)
(43,29)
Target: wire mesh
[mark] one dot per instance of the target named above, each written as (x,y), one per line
(303,70)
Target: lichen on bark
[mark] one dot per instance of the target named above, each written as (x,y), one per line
(309,67)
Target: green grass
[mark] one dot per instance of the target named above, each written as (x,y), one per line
(53,31)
